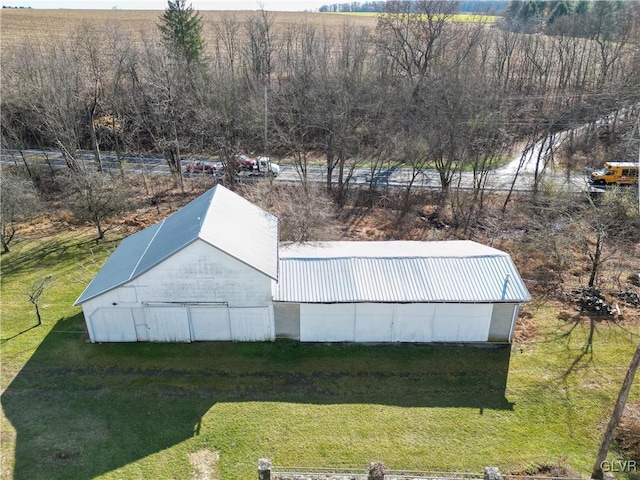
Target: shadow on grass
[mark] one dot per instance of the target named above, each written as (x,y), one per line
(51,254)
(4,340)
(81,410)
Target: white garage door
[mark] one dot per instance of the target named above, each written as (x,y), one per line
(366,322)
(380,322)
(413,322)
(333,322)
(251,324)
(461,322)
(374,322)
(167,324)
(112,325)
(210,323)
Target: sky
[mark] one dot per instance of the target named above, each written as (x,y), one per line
(274,5)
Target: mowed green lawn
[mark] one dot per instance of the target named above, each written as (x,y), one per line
(72,409)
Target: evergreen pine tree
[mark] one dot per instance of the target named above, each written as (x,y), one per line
(557,9)
(181,29)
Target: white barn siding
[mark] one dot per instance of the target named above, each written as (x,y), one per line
(199,293)
(201,273)
(503,320)
(112,325)
(287,320)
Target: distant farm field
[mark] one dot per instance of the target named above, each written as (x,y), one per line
(22,25)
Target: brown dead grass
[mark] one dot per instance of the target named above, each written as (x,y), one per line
(628,431)
(527,328)
(20,26)
(559,470)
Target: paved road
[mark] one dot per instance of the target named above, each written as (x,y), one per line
(522,167)
(55,159)
(501,179)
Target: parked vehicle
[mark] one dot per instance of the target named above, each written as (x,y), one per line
(265,165)
(616,173)
(199,166)
(260,166)
(245,163)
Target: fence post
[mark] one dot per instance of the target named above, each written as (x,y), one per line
(264,469)
(377,471)
(492,473)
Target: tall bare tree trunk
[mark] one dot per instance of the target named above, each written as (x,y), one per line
(615,417)
(596,258)
(94,138)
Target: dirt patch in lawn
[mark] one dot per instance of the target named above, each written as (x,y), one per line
(558,470)
(205,465)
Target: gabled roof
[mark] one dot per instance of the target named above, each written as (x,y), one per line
(219,217)
(345,272)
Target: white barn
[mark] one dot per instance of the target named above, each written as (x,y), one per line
(452,291)
(203,273)
(213,271)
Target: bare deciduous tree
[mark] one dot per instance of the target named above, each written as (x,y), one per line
(34,293)
(19,203)
(413,34)
(50,86)
(304,211)
(94,197)
(611,222)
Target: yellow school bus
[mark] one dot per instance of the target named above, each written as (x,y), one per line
(616,173)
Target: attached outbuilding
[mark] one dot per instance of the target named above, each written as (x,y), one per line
(450,291)
(203,273)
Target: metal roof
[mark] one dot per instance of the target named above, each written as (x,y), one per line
(388,249)
(623,164)
(345,272)
(219,217)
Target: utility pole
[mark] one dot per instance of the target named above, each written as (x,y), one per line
(266,117)
(266,131)
(636,127)
(615,416)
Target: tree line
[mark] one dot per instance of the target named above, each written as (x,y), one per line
(417,91)
(492,7)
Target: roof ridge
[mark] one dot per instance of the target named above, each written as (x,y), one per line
(393,257)
(146,248)
(213,192)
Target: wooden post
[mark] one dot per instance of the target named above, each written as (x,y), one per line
(615,416)
(264,469)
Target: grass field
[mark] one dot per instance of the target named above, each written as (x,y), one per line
(20,26)
(72,409)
